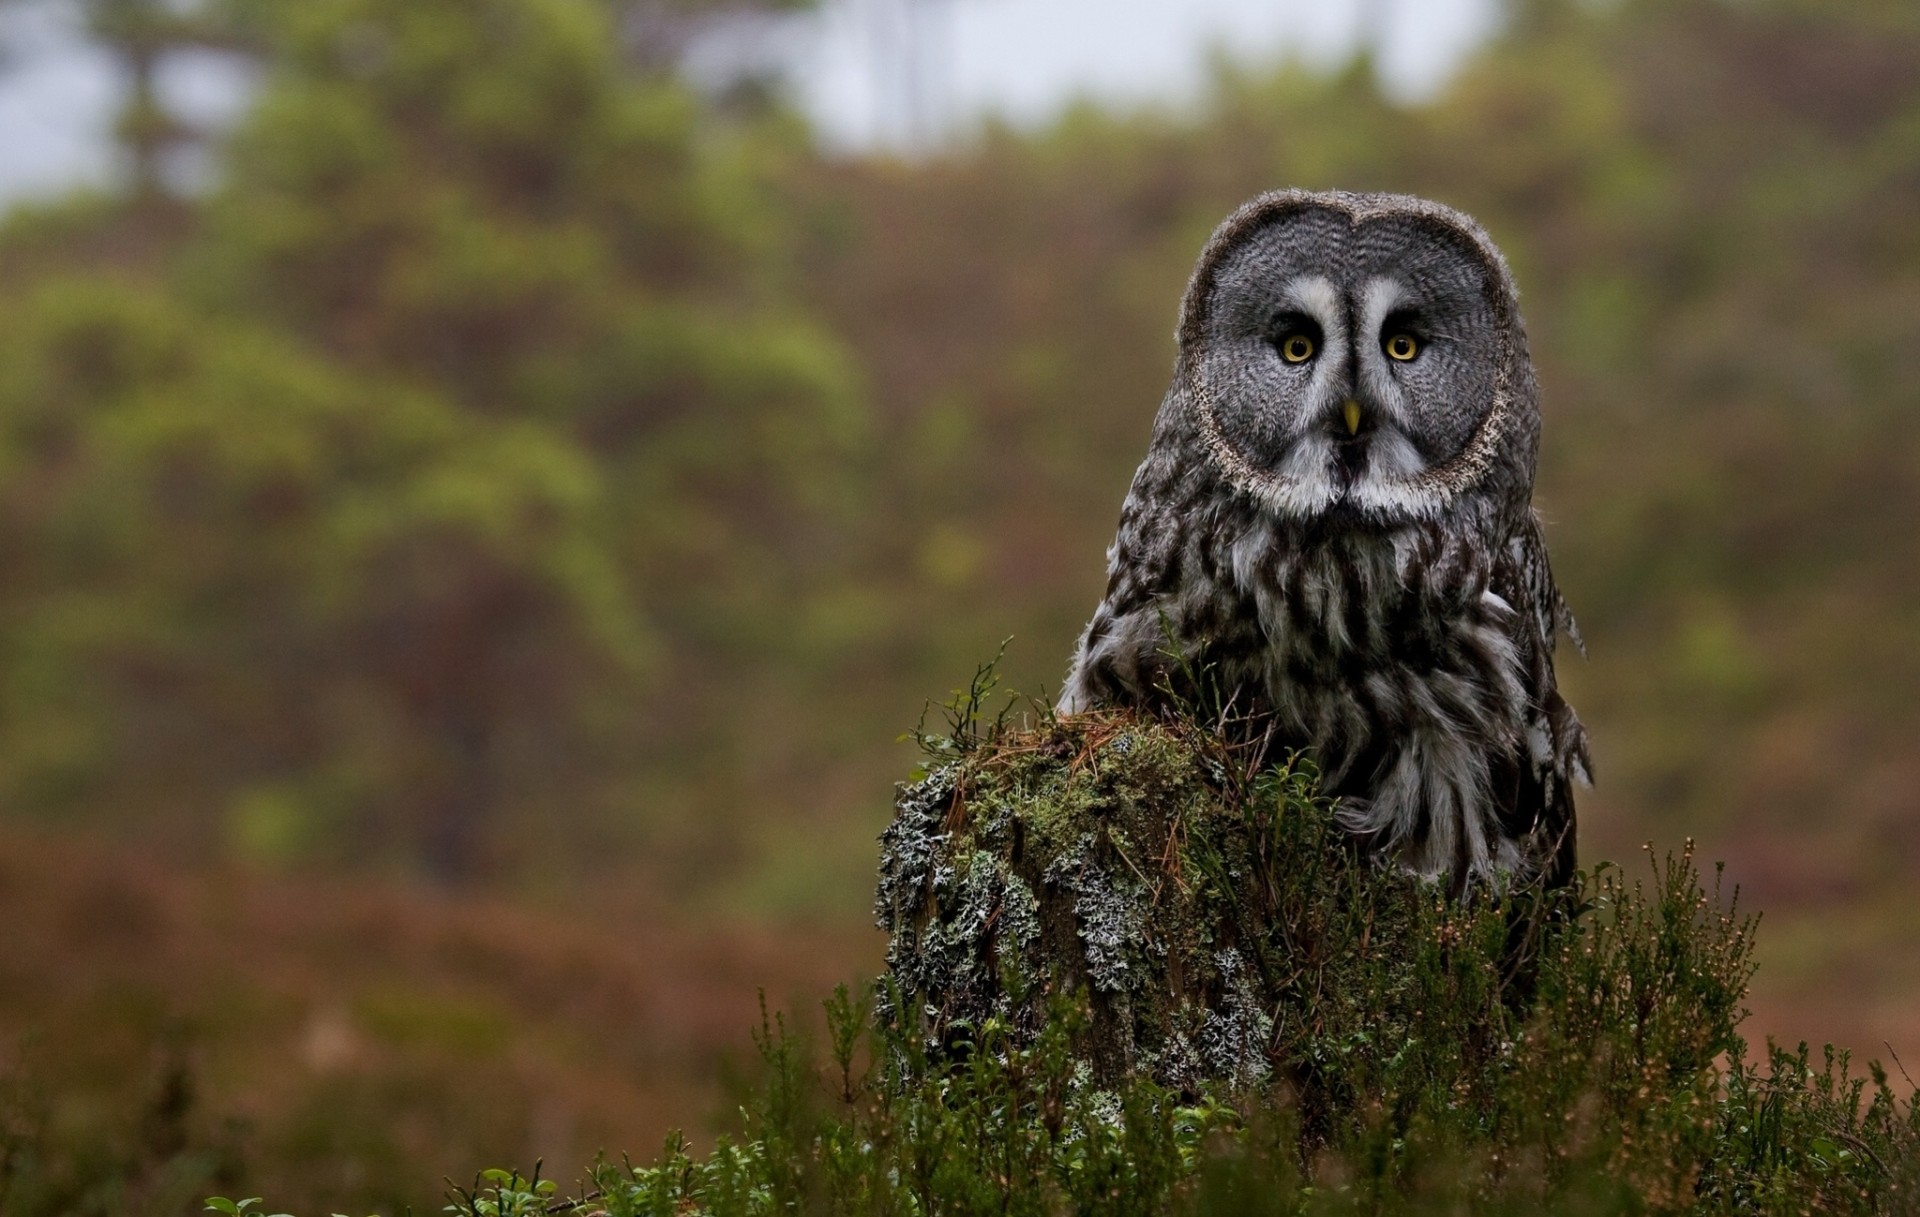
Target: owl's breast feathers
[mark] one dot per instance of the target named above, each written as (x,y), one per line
(1414,663)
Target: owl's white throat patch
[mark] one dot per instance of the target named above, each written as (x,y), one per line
(1389,478)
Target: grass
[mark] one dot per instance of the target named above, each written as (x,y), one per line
(1061,1030)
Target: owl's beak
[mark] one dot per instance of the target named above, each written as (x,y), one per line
(1350,413)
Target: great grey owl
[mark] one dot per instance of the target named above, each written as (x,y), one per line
(1334,523)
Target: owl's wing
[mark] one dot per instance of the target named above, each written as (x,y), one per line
(1534,791)
(1163,544)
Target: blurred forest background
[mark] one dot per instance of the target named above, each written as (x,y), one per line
(465,566)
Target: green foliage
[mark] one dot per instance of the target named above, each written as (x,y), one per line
(501,1193)
(822,431)
(1611,1097)
(1409,1073)
(351,523)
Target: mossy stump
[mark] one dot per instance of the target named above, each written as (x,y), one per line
(1195,899)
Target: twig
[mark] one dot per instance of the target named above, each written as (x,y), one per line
(1899,1066)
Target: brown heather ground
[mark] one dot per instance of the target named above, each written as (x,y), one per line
(364,1035)
(344,1038)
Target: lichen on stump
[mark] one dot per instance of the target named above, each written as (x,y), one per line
(1195,896)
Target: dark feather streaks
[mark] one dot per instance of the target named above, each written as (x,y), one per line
(1407,641)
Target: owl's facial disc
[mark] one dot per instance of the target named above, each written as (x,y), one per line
(1344,364)
(1333,426)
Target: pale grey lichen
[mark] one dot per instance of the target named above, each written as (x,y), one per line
(1105,862)
(1112,924)
(911,844)
(1019,912)
(1178,1063)
(1233,1040)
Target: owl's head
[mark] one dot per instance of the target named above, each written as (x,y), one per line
(1359,353)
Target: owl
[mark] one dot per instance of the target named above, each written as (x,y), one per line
(1333,524)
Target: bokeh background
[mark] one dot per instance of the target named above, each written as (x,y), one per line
(485,484)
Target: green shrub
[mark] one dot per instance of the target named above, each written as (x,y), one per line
(1398,1052)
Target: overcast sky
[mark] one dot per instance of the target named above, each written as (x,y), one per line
(1024,59)
(1020,59)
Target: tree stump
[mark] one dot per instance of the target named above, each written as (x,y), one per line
(1201,904)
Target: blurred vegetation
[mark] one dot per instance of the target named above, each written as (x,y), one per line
(514,457)
(345,1046)
(519,470)
(1402,1069)
(360,517)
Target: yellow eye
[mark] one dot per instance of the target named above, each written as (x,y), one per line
(1402,347)
(1298,348)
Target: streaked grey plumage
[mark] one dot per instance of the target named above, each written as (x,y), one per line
(1344,538)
